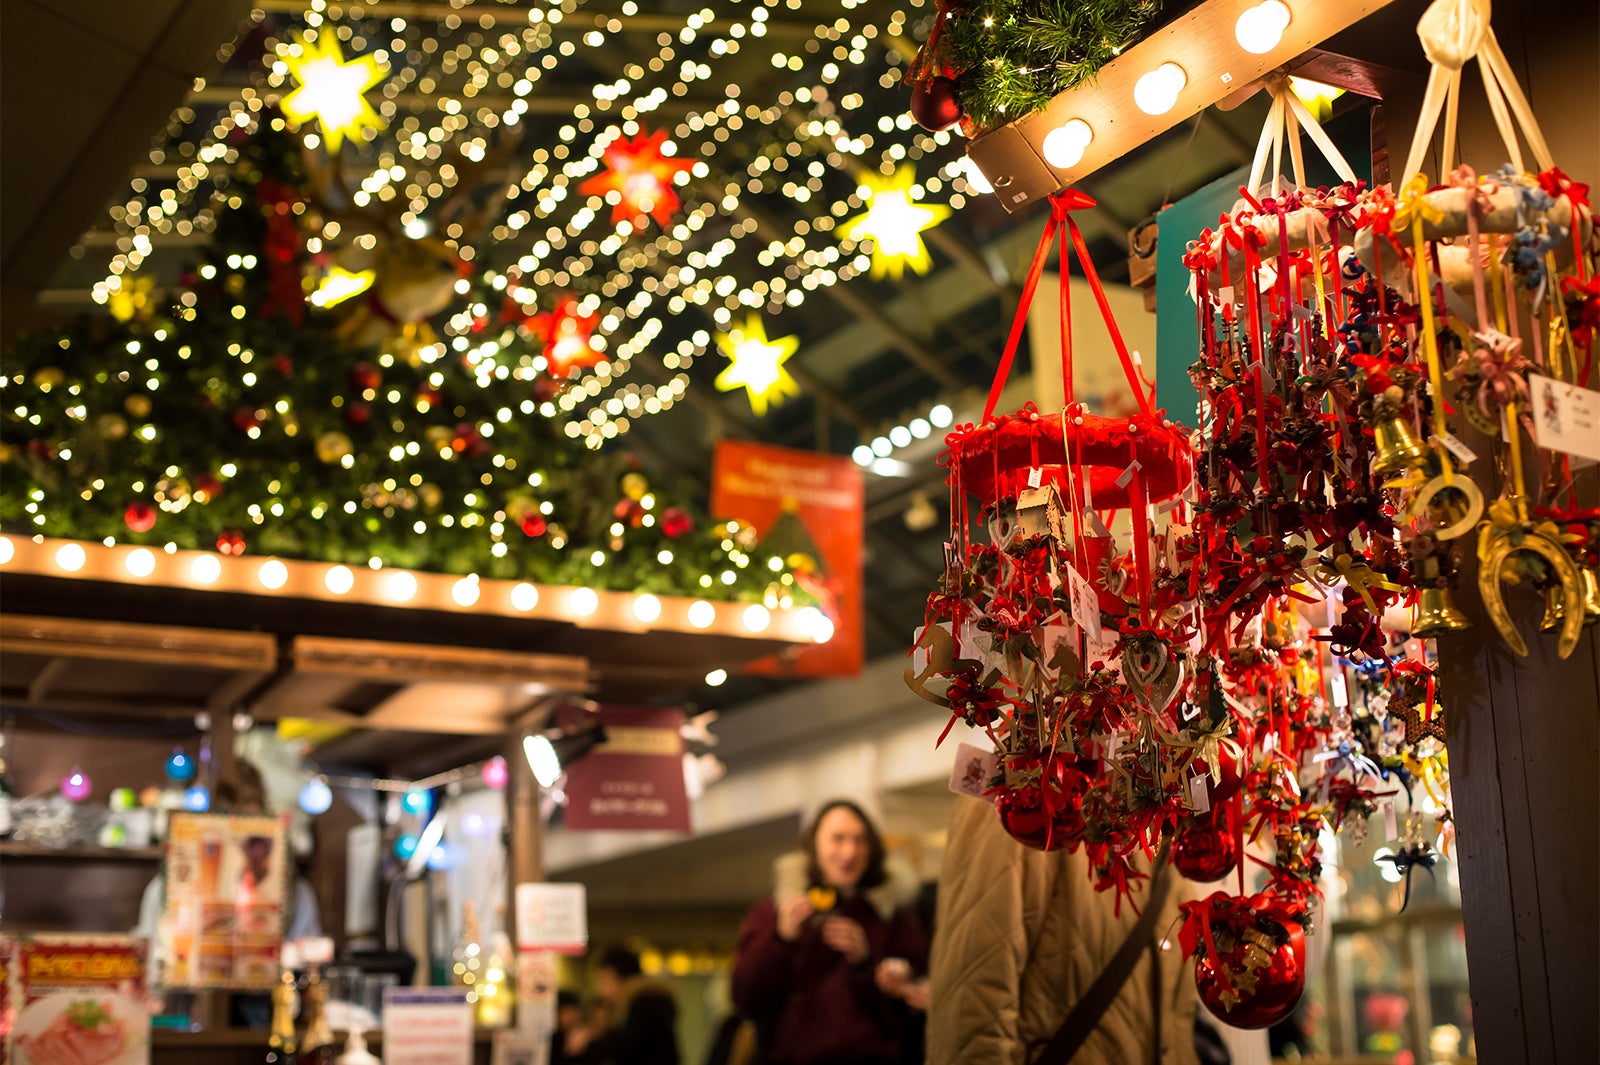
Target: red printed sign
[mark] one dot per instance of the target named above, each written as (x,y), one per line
(634,780)
(806,508)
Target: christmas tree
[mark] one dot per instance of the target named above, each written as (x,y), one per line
(289,396)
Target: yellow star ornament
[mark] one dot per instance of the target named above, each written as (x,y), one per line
(331,90)
(894,223)
(756,364)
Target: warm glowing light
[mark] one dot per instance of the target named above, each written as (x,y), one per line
(339,580)
(895,223)
(641,174)
(975,178)
(205,569)
(717,677)
(465,591)
(141,562)
(542,759)
(757,617)
(818,624)
(1064,146)
(8,550)
(332,90)
(756,364)
(1156,93)
(1317,96)
(1260,28)
(273,574)
(401,586)
(339,285)
(702,614)
(647,608)
(70,557)
(583,602)
(568,335)
(524,596)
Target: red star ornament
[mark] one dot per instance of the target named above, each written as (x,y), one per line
(567,332)
(642,176)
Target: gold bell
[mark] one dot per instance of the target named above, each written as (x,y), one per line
(1437,613)
(1398,448)
(1554,612)
(1591,595)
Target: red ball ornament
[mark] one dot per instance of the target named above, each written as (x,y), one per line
(358,414)
(364,376)
(1232,778)
(427,398)
(1205,851)
(534,525)
(207,487)
(1069,783)
(283,364)
(676,522)
(140,516)
(1259,978)
(934,104)
(1024,817)
(231,542)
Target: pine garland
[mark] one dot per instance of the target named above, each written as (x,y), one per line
(1008,58)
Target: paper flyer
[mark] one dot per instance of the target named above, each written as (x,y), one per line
(80,1001)
(227,884)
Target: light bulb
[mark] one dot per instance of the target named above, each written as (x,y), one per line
(757,617)
(647,608)
(818,624)
(76,785)
(920,428)
(716,678)
(1260,28)
(524,596)
(180,766)
(975,178)
(141,562)
(339,580)
(863,455)
(1064,146)
(70,557)
(583,602)
(941,416)
(196,799)
(542,759)
(416,802)
(273,574)
(8,550)
(496,773)
(316,797)
(405,847)
(205,569)
(702,614)
(900,436)
(1157,92)
(401,586)
(465,591)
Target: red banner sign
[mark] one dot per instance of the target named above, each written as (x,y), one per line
(633,781)
(806,509)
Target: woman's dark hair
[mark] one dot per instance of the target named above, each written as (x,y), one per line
(873,875)
(622,961)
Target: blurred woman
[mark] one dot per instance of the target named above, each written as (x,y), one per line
(808,956)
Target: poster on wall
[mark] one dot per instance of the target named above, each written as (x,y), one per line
(807,509)
(634,780)
(81,999)
(227,881)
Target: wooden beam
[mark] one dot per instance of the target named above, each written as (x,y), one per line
(126,642)
(401,662)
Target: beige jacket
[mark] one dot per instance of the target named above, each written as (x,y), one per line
(1020,935)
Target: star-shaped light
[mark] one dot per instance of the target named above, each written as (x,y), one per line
(331,90)
(339,284)
(894,223)
(756,364)
(568,334)
(642,177)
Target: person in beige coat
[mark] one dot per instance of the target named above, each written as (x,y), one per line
(1021,935)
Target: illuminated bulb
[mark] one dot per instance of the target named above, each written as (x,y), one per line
(757,617)
(70,557)
(920,428)
(1260,28)
(900,436)
(524,597)
(465,591)
(863,455)
(702,614)
(401,586)
(975,179)
(196,799)
(941,416)
(716,678)
(583,602)
(316,797)
(882,446)
(273,574)
(647,608)
(205,569)
(8,550)
(339,580)
(141,562)
(1157,92)
(1064,146)
(816,624)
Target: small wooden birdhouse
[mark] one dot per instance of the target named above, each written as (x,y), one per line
(1040,512)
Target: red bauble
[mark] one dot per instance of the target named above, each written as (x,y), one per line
(1232,777)
(675,523)
(1205,851)
(140,516)
(534,525)
(1259,997)
(934,105)
(364,376)
(283,364)
(357,413)
(231,542)
(1023,816)
(1069,782)
(207,487)
(244,420)
(427,398)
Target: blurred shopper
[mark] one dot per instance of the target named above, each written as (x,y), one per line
(809,955)
(1024,940)
(569,1043)
(643,1015)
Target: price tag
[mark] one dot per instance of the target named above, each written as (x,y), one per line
(1341,696)
(1462,452)
(1565,417)
(1199,794)
(1035,477)
(1085,604)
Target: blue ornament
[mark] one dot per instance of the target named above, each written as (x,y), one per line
(197,799)
(405,847)
(180,767)
(316,797)
(440,858)
(417,802)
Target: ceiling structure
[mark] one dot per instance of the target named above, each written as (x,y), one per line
(873,354)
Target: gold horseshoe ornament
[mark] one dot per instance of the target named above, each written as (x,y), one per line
(1501,547)
(1461,483)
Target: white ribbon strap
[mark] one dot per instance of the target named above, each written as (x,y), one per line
(1289,114)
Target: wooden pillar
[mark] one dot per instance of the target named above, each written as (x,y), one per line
(524,829)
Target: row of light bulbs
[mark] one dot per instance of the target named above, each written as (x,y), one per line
(903,436)
(400,587)
(1258,30)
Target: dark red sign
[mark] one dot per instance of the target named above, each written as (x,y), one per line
(633,781)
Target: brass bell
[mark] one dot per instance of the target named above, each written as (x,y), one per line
(1398,448)
(1591,595)
(1437,613)
(1554,612)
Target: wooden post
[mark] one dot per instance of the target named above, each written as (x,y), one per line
(524,830)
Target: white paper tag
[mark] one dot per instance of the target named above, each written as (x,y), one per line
(1391,829)
(1127,474)
(1565,417)
(1303,312)
(1341,697)
(1035,477)
(1463,454)
(1200,794)
(1225,294)
(1269,741)
(1085,604)
(973,770)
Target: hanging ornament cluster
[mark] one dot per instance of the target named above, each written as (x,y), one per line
(988,62)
